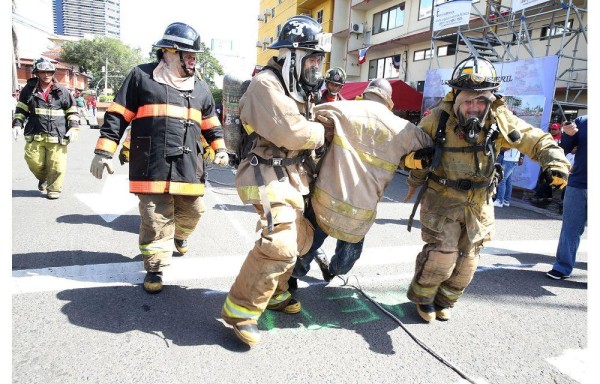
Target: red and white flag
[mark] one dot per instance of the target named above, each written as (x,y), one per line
(362,55)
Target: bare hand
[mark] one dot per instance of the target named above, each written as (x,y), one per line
(570,129)
(409,194)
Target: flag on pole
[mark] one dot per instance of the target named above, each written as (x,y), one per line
(362,55)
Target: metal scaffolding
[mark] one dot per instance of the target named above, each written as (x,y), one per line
(501,35)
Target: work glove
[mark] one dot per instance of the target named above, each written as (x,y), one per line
(16,131)
(221,158)
(555,178)
(98,164)
(124,155)
(72,134)
(420,159)
(329,126)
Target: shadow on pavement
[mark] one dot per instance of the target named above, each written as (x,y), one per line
(123,223)
(28,193)
(39,260)
(235,207)
(178,315)
(402,222)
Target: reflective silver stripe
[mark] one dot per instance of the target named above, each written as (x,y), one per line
(178,39)
(49,112)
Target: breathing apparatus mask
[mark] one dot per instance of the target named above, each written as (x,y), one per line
(472,109)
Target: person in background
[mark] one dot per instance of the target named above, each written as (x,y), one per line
(170,109)
(335,78)
(52,123)
(511,158)
(574,217)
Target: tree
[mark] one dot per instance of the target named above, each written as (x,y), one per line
(92,55)
(207,65)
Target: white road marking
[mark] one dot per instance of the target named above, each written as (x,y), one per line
(573,363)
(182,268)
(234,223)
(114,200)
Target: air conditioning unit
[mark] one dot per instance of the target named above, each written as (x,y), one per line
(259,44)
(260,18)
(267,40)
(268,12)
(357,28)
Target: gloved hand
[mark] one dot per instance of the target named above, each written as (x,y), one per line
(409,194)
(124,155)
(209,153)
(329,126)
(16,131)
(99,163)
(555,178)
(420,159)
(221,158)
(72,134)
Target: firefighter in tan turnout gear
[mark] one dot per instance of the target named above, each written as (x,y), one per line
(457,215)
(274,175)
(368,146)
(171,111)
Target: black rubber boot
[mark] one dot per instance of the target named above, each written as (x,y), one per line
(153,282)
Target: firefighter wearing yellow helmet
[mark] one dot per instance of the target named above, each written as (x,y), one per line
(457,215)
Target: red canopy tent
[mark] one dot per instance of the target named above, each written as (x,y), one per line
(404,96)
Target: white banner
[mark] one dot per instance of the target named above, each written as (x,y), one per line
(451,14)
(518,5)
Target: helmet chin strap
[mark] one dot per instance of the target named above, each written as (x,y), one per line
(185,70)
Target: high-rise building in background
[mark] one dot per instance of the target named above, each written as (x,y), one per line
(85,17)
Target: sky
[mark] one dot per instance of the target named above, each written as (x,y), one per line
(144,22)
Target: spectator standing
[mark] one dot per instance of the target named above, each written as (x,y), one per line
(575,200)
(52,123)
(510,160)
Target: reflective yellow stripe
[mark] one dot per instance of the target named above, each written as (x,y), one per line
(172,187)
(44,137)
(338,234)
(452,295)
(248,128)
(121,110)
(106,145)
(310,143)
(209,123)
(73,109)
(238,312)
(49,112)
(19,116)
(419,290)
(343,208)
(250,193)
(72,117)
(365,157)
(183,229)
(156,247)
(169,110)
(23,106)
(279,298)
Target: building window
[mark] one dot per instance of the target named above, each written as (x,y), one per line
(383,68)
(554,30)
(320,17)
(446,50)
(278,29)
(389,19)
(272,12)
(422,54)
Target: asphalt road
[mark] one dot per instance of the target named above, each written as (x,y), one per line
(79,314)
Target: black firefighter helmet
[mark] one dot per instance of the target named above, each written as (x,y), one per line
(44,65)
(181,37)
(300,32)
(336,76)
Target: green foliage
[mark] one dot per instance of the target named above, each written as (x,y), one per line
(106,98)
(217,94)
(92,55)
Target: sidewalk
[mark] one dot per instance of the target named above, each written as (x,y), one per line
(521,198)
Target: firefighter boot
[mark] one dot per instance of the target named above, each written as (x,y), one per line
(42,186)
(153,282)
(181,246)
(248,333)
(442,313)
(426,311)
(289,305)
(292,283)
(53,195)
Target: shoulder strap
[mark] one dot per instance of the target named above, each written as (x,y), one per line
(279,76)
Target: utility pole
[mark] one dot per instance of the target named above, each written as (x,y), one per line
(106,75)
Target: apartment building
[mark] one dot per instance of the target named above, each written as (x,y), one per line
(401,45)
(85,17)
(274,14)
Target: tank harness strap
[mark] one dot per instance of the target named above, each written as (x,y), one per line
(461,184)
(440,139)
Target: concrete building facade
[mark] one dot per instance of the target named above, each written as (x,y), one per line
(84,17)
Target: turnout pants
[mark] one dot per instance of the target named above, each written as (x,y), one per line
(445,266)
(48,162)
(165,217)
(262,280)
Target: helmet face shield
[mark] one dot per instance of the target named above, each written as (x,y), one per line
(471,117)
(475,73)
(312,66)
(43,65)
